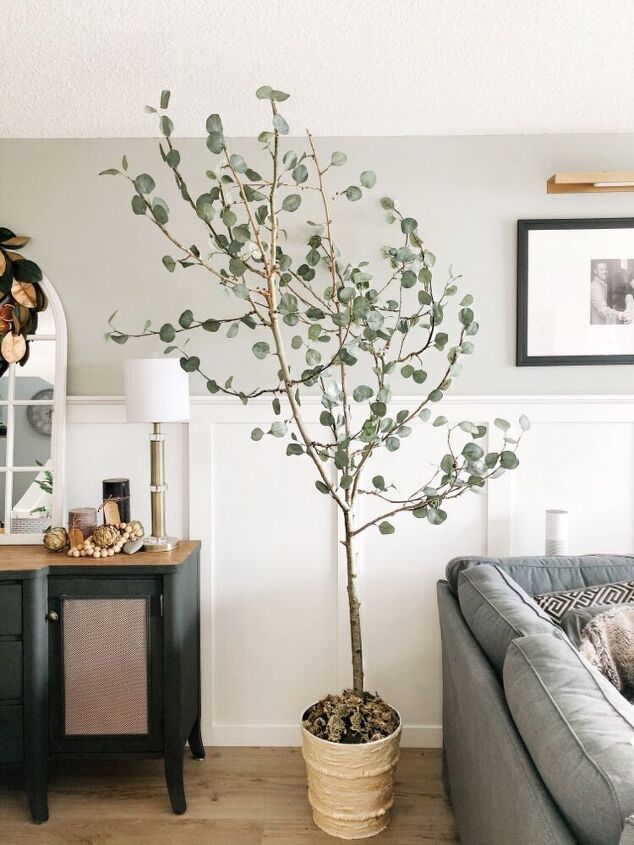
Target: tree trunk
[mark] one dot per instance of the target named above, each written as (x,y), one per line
(353,608)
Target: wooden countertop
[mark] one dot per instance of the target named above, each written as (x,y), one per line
(24,559)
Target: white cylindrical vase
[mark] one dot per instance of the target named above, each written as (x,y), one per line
(556,540)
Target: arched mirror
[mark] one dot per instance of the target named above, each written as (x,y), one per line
(32,430)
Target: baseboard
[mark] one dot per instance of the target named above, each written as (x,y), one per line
(414,736)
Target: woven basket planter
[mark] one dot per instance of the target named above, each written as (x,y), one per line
(351,787)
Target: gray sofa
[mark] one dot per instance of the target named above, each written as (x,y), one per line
(538,746)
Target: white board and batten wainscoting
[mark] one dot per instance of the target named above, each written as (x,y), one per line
(274,627)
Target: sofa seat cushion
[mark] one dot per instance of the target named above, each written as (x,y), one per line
(550,574)
(579,732)
(497,610)
(556,604)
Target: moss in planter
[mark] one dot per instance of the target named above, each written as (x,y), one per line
(347,718)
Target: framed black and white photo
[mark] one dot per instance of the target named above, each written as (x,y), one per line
(575,291)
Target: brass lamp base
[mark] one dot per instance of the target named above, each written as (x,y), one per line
(159,540)
(160,544)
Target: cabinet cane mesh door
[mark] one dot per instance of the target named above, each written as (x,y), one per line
(105,666)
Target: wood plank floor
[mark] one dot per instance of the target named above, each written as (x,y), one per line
(236,796)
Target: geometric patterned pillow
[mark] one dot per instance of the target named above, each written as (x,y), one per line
(556,604)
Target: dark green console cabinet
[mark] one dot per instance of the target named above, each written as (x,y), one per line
(99,659)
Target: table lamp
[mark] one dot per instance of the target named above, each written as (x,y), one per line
(156,391)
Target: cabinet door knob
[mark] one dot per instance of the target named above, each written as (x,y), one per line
(52,616)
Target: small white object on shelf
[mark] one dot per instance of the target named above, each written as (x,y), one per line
(556,542)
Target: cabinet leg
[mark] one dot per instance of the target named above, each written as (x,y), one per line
(174,779)
(36,789)
(195,741)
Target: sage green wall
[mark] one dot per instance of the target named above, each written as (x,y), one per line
(466,192)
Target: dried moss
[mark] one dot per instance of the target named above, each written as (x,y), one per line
(347,718)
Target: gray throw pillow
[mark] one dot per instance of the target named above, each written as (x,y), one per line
(556,604)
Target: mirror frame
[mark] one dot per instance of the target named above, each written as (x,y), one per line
(58,433)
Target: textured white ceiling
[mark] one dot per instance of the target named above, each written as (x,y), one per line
(85,68)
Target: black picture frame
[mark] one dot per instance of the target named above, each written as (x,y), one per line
(524,227)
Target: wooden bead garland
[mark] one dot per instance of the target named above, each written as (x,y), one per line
(126,531)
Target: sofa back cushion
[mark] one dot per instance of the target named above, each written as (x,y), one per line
(497,610)
(579,732)
(550,574)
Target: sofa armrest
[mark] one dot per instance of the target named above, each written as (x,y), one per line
(627,837)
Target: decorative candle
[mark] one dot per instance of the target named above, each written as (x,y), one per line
(556,541)
(118,489)
(83,519)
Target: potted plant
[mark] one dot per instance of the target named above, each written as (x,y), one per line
(325,325)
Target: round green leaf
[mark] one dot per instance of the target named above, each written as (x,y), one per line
(408,279)
(386,527)
(368,179)
(436,516)
(191,364)
(166,125)
(215,142)
(300,173)
(257,434)
(160,210)
(508,460)
(465,315)
(362,392)
(167,333)
(186,319)
(338,158)
(408,225)
(473,452)
(214,124)
(229,218)
(353,193)
(291,202)
(138,204)
(144,183)
(278,428)
(289,160)
(237,267)
(327,419)
(261,350)
(237,163)
(280,124)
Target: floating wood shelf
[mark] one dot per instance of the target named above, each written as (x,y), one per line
(592,182)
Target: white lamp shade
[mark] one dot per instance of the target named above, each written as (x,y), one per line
(156,390)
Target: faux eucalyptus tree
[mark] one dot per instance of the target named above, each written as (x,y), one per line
(338,316)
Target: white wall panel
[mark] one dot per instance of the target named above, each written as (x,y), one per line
(398,584)
(586,468)
(274,628)
(274,582)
